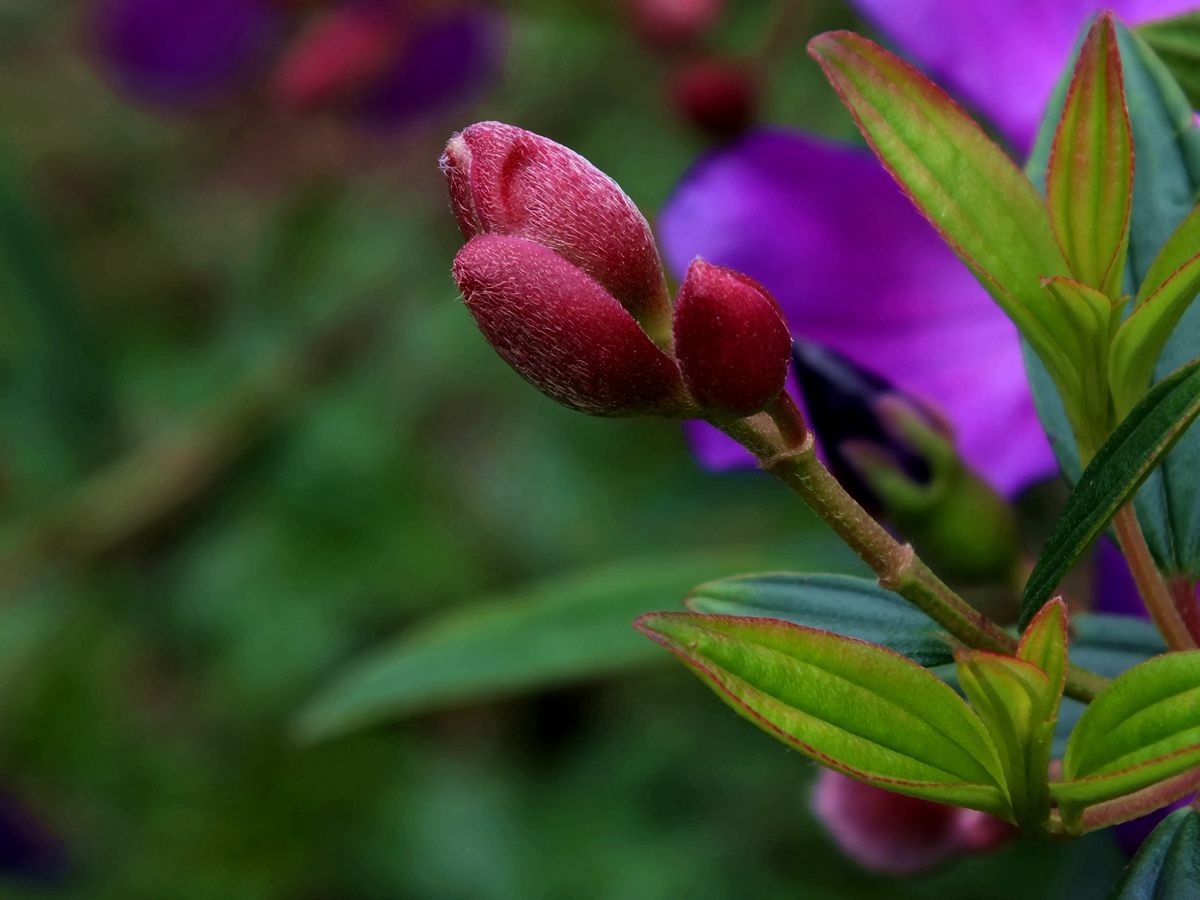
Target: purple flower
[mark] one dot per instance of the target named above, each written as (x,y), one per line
(1001,57)
(856,268)
(183,53)
(375,61)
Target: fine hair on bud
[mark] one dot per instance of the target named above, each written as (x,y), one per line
(563,332)
(731,340)
(507,181)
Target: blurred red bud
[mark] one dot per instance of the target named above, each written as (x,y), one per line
(562,332)
(731,340)
(718,97)
(673,23)
(339,56)
(505,180)
(900,835)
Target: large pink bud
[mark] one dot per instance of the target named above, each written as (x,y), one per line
(731,340)
(563,332)
(508,181)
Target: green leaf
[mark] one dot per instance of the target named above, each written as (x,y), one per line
(1177,43)
(1044,644)
(555,632)
(863,710)
(1167,865)
(1011,697)
(59,360)
(853,607)
(1090,179)
(1166,184)
(1108,645)
(1165,295)
(980,203)
(1122,464)
(1142,730)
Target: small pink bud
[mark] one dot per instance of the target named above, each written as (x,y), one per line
(562,332)
(731,340)
(505,180)
(339,56)
(718,97)
(900,835)
(673,23)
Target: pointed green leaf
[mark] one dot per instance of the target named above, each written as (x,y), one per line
(1165,295)
(1136,446)
(1166,185)
(1090,180)
(1044,644)
(853,607)
(1093,317)
(550,633)
(1167,865)
(863,710)
(981,204)
(1143,730)
(1177,43)
(1011,697)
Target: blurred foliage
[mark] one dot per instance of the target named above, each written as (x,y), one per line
(207,512)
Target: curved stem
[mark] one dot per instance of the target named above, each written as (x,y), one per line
(896,565)
(1155,594)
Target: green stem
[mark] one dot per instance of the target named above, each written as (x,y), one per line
(786,450)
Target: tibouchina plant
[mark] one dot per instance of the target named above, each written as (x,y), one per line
(561,274)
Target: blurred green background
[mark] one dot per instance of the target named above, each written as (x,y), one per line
(249,438)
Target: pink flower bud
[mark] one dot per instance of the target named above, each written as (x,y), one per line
(731,340)
(563,332)
(339,56)
(505,180)
(718,97)
(900,835)
(673,23)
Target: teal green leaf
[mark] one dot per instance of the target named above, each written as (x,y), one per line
(849,606)
(1167,865)
(863,710)
(1090,178)
(1125,461)
(1142,730)
(1176,41)
(551,633)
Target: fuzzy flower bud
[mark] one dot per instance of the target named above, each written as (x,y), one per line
(508,181)
(562,331)
(731,340)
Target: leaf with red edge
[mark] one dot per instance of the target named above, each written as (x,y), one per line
(1090,180)
(978,200)
(855,707)
(1166,293)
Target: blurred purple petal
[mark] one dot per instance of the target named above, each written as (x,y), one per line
(183,52)
(449,58)
(29,851)
(855,267)
(1115,592)
(1001,57)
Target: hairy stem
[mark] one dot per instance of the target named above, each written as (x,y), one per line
(1155,594)
(896,565)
